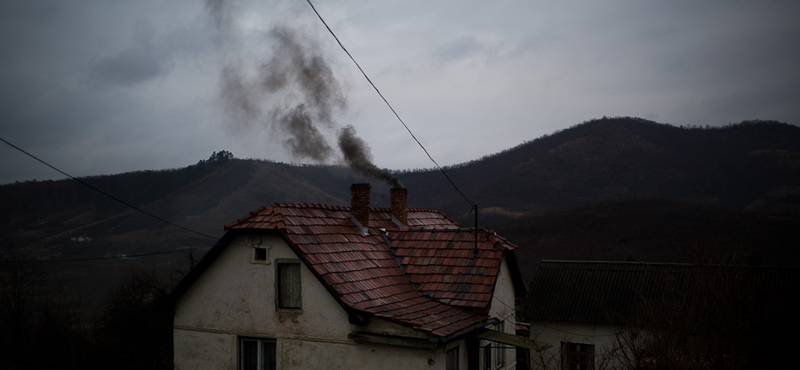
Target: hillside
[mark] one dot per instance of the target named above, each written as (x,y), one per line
(655,231)
(753,166)
(619,188)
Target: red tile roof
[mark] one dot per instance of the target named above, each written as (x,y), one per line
(431,274)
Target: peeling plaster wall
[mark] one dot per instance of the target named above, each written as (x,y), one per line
(201,350)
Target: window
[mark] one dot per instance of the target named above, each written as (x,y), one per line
(260,250)
(451,359)
(487,357)
(288,286)
(577,356)
(498,348)
(260,254)
(257,354)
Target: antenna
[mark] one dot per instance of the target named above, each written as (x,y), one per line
(475,209)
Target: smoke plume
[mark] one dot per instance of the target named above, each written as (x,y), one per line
(357,155)
(293,94)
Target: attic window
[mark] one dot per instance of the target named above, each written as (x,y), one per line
(260,250)
(288,285)
(260,255)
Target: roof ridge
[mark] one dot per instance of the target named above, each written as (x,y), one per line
(620,262)
(669,264)
(249,215)
(312,205)
(425,209)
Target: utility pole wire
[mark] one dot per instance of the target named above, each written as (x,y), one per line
(389,105)
(107,194)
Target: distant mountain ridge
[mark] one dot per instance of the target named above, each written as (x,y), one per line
(751,168)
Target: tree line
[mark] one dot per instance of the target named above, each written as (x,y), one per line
(40,327)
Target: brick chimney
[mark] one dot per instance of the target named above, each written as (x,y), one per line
(400,204)
(359,203)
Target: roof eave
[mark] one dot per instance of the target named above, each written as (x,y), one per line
(466,331)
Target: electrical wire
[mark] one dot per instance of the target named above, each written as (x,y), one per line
(116,199)
(389,105)
(122,202)
(107,194)
(149,214)
(571,333)
(121,257)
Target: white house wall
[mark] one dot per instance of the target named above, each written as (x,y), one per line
(303,354)
(203,350)
(503,308)
(234,298)
(602,336)
(236,295)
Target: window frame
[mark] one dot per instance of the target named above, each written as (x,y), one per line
(279,304)
(260,259)
(568,355)
(455,357)
(261,344)
(488,362)
(498,355)
(257,244)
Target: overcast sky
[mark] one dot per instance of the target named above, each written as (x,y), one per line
(100,87)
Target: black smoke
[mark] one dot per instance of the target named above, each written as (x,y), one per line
(293,94)
(357,155)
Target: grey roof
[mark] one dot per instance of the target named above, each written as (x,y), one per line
(609,292)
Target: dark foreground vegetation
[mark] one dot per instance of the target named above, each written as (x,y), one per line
(40,328)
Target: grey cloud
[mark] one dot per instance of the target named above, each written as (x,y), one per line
(143,60)
(458,48)
(84,73)
(130,66)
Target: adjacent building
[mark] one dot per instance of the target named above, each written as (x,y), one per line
(634,315)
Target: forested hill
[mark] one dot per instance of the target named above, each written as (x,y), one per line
(749,168)
(753,166)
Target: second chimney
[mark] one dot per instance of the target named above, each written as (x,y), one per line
(359,203)
(400,204)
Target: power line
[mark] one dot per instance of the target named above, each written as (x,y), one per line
(206,235)
(121,257)
(107,194)
(572,333)
(389,105)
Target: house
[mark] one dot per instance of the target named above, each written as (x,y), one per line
(306,286)
(624,315)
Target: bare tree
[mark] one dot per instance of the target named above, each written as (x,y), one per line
(19,282)
(711,317)
(137,324)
